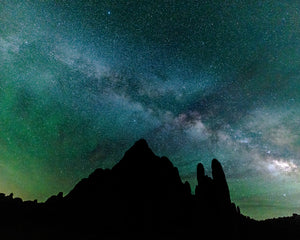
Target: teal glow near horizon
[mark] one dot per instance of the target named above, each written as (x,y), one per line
(81,81)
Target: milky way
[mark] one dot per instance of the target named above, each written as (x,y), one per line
(81,81)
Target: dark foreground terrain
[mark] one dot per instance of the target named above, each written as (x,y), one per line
(141,197)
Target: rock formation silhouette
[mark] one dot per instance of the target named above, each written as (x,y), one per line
(141,196)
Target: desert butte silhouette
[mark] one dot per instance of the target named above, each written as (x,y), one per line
(141,197)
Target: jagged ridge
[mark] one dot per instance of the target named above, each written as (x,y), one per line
(141,193)
(145,192)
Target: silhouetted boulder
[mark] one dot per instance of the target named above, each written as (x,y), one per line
(205,189)
(200,172)
(222,190)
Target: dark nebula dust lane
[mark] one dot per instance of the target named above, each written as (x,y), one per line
(81,81)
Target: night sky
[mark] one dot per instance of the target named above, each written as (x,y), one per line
(81,81)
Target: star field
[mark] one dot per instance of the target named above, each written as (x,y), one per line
(81,81)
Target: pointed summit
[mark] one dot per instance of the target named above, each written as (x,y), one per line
(142,143)
(140,149)
(136,157)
